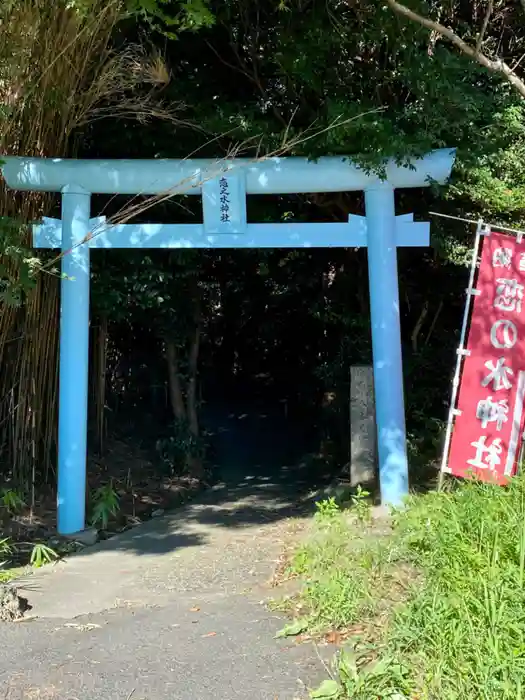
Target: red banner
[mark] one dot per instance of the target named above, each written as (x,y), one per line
(489,419)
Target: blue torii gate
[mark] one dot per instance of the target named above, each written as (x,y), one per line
(224,186)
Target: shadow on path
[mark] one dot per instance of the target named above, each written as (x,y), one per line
(226,540)
(266,470)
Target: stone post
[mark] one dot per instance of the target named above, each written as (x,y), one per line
(363,438)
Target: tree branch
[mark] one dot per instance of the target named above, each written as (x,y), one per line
(495,66)
(417,328)
(485,24)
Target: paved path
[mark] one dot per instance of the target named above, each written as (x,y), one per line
(170,610)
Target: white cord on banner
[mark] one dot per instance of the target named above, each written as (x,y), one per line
(482,229)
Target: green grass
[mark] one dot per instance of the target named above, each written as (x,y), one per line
(434,610)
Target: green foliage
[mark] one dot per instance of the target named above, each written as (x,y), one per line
(370,74)
(189,15)
(361,505)
(328,690)
(104,506)
(6,576)
(6,549)
(12,501)
(494,180)
(444,593)
(361,677)
(5,546)
(470,545)
(174,449)
(329,509)
(326,509)
(152,289)
(293,629)
(370,88)
(42,554)
(166,16)
(18,266)
(335,565)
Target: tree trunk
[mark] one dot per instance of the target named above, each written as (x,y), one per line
(194,462)
(193,418)
(175,386)
(186,413)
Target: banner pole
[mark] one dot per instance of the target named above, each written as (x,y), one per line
(481,229)
(519,469)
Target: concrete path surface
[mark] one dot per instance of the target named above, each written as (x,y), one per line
(170,610)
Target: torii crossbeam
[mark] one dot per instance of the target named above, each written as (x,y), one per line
(223,186)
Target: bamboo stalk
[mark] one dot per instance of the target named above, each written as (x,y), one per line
(57,72)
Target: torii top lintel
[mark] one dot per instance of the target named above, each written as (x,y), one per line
(275,175)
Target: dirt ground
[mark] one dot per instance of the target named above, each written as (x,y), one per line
(144,490)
